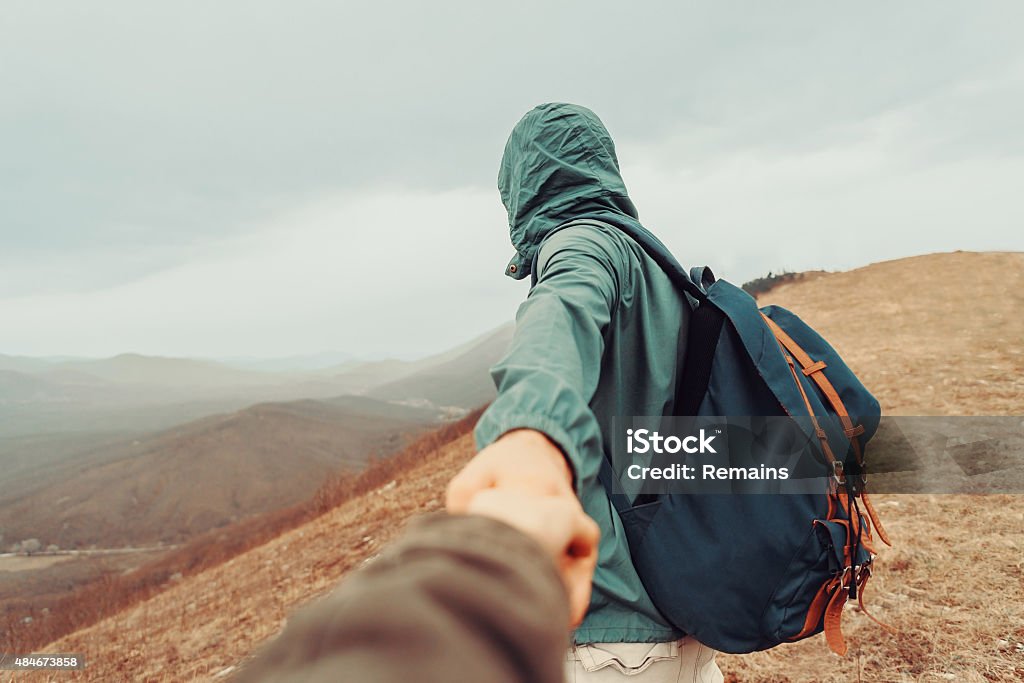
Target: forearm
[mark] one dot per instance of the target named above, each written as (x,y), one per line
(458,598)
(546,380)
(552,369)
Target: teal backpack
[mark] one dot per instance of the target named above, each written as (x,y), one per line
(748,572)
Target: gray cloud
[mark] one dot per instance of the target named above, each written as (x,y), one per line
(135,136)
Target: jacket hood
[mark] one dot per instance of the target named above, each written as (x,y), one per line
(559,162)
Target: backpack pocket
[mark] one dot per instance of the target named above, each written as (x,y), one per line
(637,520)
(789,614)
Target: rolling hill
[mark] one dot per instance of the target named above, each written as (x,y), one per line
(460,380)
(133,368)
(169,486)
(911,331)
(22,363)
(138,394)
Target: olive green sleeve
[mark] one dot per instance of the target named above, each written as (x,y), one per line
(458,598)
(551,371)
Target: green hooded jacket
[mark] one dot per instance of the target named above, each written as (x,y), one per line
(597,338)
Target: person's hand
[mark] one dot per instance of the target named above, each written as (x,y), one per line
(522,460)
(561,527)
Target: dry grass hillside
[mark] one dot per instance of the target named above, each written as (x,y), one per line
(939,334)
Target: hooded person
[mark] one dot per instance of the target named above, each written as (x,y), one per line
(598,338)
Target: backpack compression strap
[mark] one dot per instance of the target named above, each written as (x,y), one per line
(815,370)
(827,606)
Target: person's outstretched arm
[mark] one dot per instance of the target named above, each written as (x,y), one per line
(540,435)
(458,598)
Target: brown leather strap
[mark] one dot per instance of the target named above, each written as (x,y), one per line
(832,596)
(816,609)
(874,518)
(860,602)
(834,620)
(853,521)
(822,437)
(814,370)
(855,524)
(817,366)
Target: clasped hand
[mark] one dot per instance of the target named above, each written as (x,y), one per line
(523,479)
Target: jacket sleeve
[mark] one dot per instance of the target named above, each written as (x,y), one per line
(551,371)
(459,598)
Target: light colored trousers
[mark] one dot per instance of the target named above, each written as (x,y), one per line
(682,660)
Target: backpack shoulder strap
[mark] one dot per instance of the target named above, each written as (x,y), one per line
(705,325)
(651,245)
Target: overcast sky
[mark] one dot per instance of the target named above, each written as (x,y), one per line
(273,178)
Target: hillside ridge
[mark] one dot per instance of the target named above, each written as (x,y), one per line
(912,332)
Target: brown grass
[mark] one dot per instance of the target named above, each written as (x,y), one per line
(941,334)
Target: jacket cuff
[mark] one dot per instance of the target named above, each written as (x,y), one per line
(489,430)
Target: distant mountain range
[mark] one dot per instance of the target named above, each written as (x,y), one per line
(139,450)
(460,379)
(136,393)
(309,362)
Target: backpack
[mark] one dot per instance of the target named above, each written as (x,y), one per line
(742,573)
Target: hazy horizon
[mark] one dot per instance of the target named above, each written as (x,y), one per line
(322,358)
(252,179)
